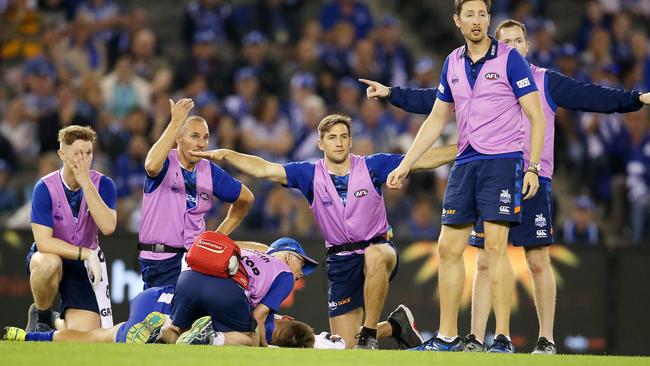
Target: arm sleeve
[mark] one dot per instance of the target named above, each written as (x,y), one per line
(300,175)
(108,191)
(380,165)
(279,290)
(519,75)
(412,100)
(576,95)
(224,186)
(151,183)
(41,205)
(444,93)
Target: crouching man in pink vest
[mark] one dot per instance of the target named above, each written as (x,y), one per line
(344,193)
(69,207)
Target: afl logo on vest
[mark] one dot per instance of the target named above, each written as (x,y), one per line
(492,76)
(361,193)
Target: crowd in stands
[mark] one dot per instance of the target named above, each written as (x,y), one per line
(263,74)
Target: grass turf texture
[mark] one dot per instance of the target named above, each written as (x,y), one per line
(69,354)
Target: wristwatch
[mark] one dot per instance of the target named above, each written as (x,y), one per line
(534,167)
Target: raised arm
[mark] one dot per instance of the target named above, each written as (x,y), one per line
(577,95)
(435,157)
(160,150)
(428,134)
(533,109)
(419,101)
(249,164)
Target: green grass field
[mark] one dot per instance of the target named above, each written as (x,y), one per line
(69,354)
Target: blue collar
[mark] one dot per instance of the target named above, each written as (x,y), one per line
(491,54)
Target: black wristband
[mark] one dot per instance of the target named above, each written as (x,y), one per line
(79,255)
(532,170)
(390,90)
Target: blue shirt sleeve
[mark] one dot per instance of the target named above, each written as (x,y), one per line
(419,101)
(41,205)
(576,95)
(444,92)
(108,191)
(300,175)
(519,75)
(380,165)
(279,290)
(151,183)
(224,186)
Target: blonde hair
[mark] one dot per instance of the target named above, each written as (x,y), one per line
(68,135)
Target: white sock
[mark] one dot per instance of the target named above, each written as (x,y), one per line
(446,338)
(219,339)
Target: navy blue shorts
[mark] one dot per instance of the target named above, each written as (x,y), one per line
(75,288)
(346,280)
(198,295)
(160,273)
(536,228)
(490,189)
(150,300)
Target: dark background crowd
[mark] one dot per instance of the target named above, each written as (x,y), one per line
(264,72)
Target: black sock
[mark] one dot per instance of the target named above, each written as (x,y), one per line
(45,316)
(369,332)
(397,329)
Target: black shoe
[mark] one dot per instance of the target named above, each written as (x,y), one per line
(501,345)
(365,341)
(544,347)
(32,320)
(408,336)
(471,344)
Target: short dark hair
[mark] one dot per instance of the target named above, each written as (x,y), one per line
(295,335)
(329,121)
(459,5)
(509,23)
(68,135)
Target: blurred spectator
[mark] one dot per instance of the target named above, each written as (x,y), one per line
(392,55)
(129,175)
(241,103)
(7,153)
(581,227)
(353,11)
(145,61)
(8,196)
(123,90)
(544,53)
(639,44)
(19,130)
(336,54)
(373,123)
(278,19)
(301,86)
(421,224)
(593,18)
(121,43)
(206,16)
(47,163)
(82,53)
(424,74)
(621,49)
(363,63)
(70,111)
(39,98)
(256,56)
(204,61)
(103,17)
(638,174)
(20,29)
(306,146)
(227,133)
(56,11)
(266,132)
(598,54)
(348,97)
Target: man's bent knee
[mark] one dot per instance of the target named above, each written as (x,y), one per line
(46,265)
